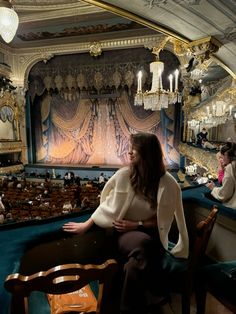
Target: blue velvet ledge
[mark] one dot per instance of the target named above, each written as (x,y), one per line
(198,194)
(16,238)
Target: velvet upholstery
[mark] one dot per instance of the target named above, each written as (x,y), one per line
(200,195)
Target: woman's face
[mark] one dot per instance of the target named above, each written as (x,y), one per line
(225,159)
(221,159)
(134,155)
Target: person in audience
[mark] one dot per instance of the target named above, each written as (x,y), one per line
(101,178)
(227,192)
(2,207)
(77,180)
(85,204)
(201,135)
(207,145)
(101,181)
(136,204)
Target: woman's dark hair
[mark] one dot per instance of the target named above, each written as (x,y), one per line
(146,174)
(230,149)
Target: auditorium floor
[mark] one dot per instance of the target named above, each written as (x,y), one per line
(212,306)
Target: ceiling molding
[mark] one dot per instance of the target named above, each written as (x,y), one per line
(124,13)
(138,19)
(23,59)
(39,13)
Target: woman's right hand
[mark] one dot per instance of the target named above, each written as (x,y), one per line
(78,227)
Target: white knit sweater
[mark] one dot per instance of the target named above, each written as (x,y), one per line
(227,192)
(118,194)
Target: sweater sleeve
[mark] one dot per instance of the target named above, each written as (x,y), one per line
(168,208)
(181,249)
(113,200)
(225,192)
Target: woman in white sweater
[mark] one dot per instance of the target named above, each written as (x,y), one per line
(227,192)
(139,203)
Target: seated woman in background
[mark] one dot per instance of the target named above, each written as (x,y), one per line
(227,192)
(221,167)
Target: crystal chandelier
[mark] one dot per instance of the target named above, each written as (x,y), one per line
(157,98)
(218,113)
(8,21)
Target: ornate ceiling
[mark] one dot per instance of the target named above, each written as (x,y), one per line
(115,24)
(47,22)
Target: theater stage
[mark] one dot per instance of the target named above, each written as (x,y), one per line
(58,171)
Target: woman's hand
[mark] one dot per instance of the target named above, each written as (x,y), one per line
(210,185)
(78,227)
(125,225)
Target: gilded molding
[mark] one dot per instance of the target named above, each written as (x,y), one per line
(8,99)
(203,48)
(204,159)
(5,70)
(11,169)
(95,49)
(24,59)
(10,146)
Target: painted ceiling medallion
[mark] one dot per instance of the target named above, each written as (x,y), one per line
(152,3)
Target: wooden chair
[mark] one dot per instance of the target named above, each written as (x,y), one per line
(59,280)
(181,273)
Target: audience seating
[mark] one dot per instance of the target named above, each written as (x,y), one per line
(181,272)
(20,209)
(62,279)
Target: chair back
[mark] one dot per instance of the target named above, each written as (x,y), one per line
(203,233)
(59,280)
(182,272)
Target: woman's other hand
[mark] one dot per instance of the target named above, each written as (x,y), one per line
(210,185)
(78,227)
(125,225)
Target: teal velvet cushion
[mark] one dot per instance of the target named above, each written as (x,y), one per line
(219,279)
(174,265)
(198,195)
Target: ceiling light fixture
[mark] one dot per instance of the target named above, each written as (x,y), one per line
(157,98)
(9,21)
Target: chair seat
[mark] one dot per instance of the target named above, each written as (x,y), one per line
(218,280)
(173,264)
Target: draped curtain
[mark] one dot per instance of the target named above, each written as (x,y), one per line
(84,113)
(96,131)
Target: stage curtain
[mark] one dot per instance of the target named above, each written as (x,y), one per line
(96,131)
